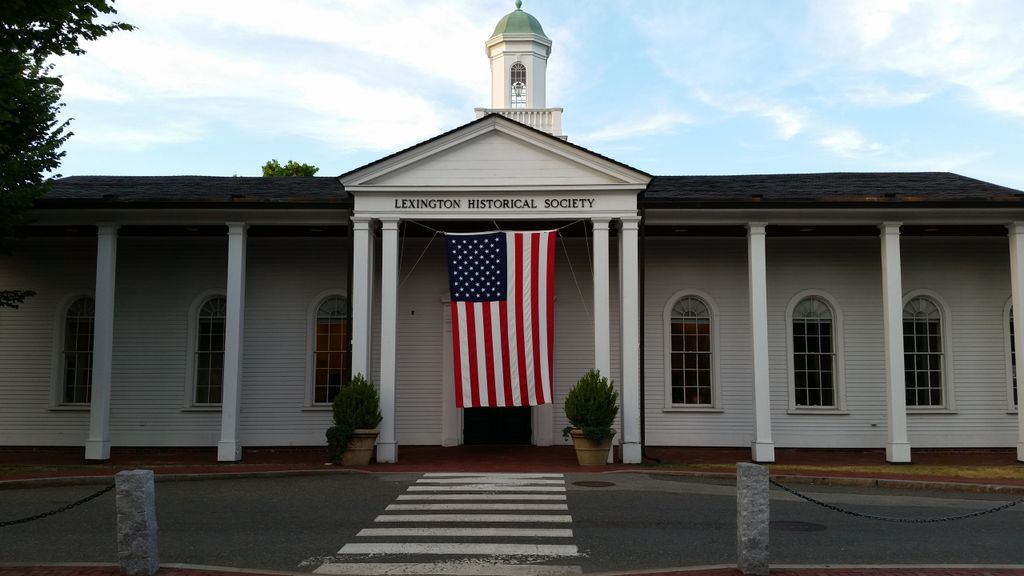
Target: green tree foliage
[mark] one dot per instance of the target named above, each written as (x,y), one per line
(357,406)
(31,135)
(591,406)
(292,168)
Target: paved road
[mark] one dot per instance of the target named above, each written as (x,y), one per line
(642,521)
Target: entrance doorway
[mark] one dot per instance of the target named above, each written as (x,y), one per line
(497,425)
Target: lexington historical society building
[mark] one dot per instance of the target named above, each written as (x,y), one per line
(834,310)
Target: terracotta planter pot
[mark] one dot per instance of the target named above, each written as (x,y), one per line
(588,452)
(360,447)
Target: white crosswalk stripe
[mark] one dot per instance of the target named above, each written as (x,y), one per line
(478,506)
(488,497)
(477,531)
(493,487)
(448,520)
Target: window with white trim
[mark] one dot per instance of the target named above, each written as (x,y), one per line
(1013,358)
(814,354)
(76,364)
(211,322)
(923,353)
(518,85)
(332,354)
(690,367)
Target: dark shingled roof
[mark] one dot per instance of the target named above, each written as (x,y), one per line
(197,191)
(833,188)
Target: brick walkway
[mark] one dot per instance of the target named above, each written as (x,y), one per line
(58,462)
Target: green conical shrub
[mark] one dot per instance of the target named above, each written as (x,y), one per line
(591,406)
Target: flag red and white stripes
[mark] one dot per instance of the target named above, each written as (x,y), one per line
(502,300)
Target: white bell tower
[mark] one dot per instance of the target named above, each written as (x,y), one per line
(518,51)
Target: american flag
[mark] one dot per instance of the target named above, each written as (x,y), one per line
(502,297)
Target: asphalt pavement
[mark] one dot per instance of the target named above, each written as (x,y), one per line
(622,521)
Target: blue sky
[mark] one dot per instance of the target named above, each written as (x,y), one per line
(672,87)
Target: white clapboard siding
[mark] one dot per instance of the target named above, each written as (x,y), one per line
(849,271)
(420,372)
(716,267)
(972,277)
(286,279)
(56,269)
(158,279)
(494,159)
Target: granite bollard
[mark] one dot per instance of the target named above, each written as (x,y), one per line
(752,519)
(137,549)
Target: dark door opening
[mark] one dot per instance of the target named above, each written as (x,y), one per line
(497,425)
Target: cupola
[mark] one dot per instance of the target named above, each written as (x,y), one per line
(518,50)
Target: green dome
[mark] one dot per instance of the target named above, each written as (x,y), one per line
(518,22)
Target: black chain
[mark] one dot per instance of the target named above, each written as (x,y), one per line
(892,519)
(64,508)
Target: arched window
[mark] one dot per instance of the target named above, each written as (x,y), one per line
(209,351)
(518,85)
(79,325)
(691,353)
(814,354)
(1013,358)
(332,357)
(923,353)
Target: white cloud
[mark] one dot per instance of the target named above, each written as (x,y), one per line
(332,72)
(975,46)
(849,143)
(657,123)
(128,138)
(876,95)
(788,120)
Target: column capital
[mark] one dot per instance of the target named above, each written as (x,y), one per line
(237,227)
(1015,227)
(107,227)
(389,222)
(890,227)
(361,222)
(631,222)
(756,228)
(600,222)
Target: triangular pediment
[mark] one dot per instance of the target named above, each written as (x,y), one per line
(494,153)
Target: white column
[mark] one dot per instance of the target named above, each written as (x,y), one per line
(387,448)
(763,447)
(362,295)
(1017,289)
(602,306)
(97,446)
(229,449)
(897,446)
(629,299)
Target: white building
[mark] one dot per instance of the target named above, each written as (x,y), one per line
(805,310)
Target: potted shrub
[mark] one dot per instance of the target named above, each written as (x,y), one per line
(356,416)
(591,407)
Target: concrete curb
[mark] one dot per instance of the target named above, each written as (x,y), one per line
(888,483)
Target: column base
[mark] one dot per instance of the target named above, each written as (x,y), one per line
(228,451)
(97,450)
(762,452)
(632,453)
(387,452)
(899,452)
